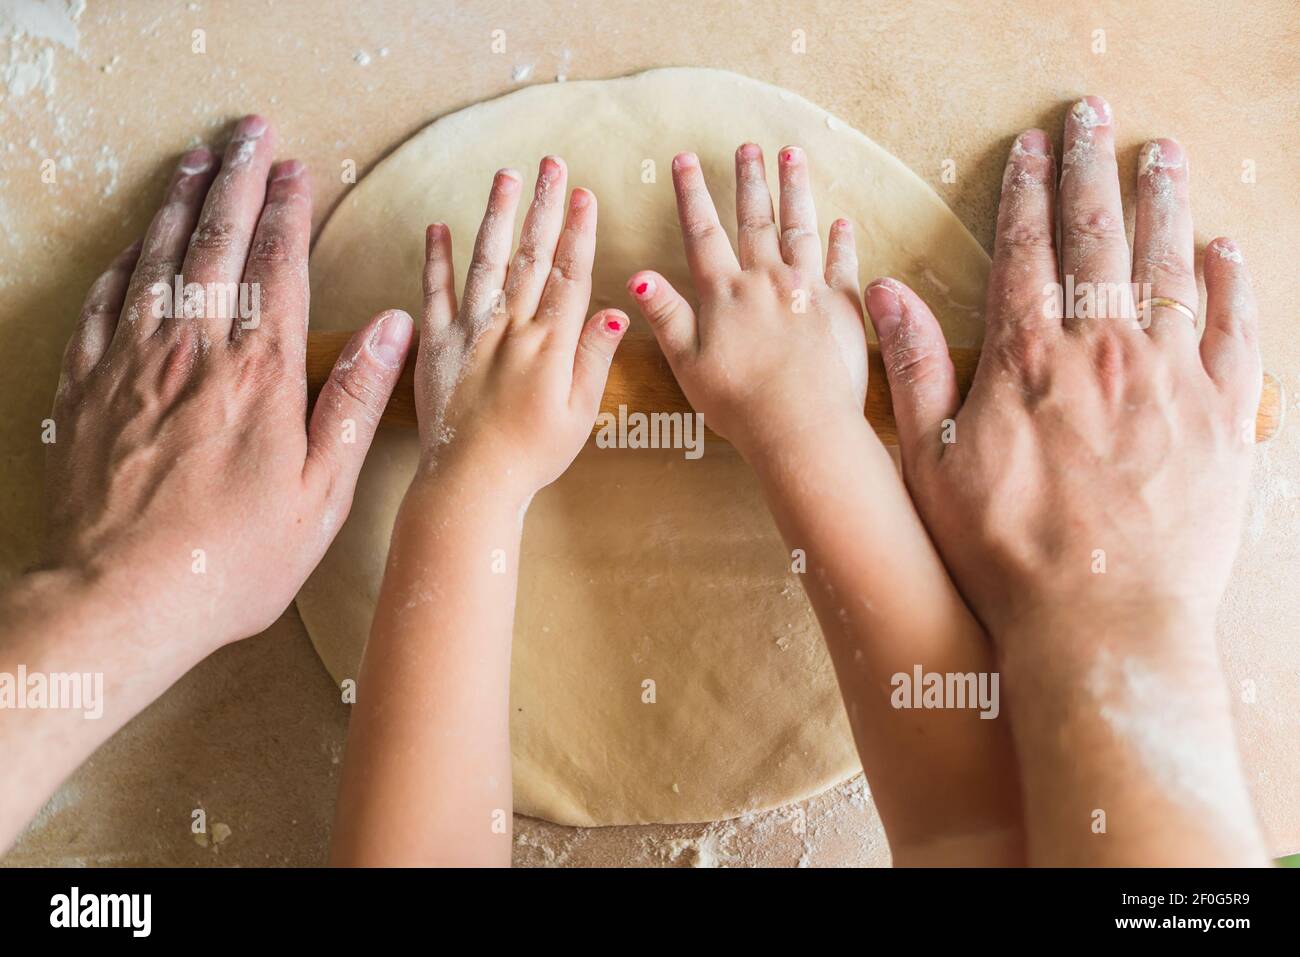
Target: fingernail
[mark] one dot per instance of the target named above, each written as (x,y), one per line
(885,308)
(1227,249)
(250,128)
(390,339)
(644,289)
(614,324)
(196,161)
(507,180)
(750,152)
(791,154)
(1091,112)
(580,199)
(287,170)
(1159,154)
(685,161)
(1033,142)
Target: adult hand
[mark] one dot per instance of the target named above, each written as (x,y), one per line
(1088,495)
(183,471)
(1096,463)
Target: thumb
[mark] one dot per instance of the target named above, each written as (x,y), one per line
(669,315)
(922,382)
(596,345)
(353,398)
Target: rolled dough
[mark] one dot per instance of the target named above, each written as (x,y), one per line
(638,565)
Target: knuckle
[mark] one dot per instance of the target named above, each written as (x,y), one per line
(662,311)
(271,248)
(1028,353)
(1156,267)
(359,385)
(567,269)
(1032,236)
(215,236)
(483,267)
(700,229)
(909,358)
(1110,361)
(154,269)
(174,374)
(525,259)
(910,363)
(1094,223)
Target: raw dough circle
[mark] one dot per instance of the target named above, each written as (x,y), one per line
(637,565)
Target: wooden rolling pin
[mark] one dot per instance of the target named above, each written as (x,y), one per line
(641,380)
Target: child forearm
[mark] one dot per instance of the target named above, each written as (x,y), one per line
(886,606)
(427,780)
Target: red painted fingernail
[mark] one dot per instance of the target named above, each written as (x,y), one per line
(645,289)
(613,325)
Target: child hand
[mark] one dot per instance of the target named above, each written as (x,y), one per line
(777,345)
(510,384)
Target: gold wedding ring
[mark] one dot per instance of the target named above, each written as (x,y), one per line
(1145,305)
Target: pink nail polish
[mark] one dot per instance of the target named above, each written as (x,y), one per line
(645,289)
(613,325)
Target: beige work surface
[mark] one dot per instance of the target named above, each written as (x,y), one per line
(255,734)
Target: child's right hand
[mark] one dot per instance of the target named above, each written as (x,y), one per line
(778,345)
(509,384)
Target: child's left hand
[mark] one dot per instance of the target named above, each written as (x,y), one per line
(510,384)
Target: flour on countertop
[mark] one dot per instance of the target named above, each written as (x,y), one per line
(838,827)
